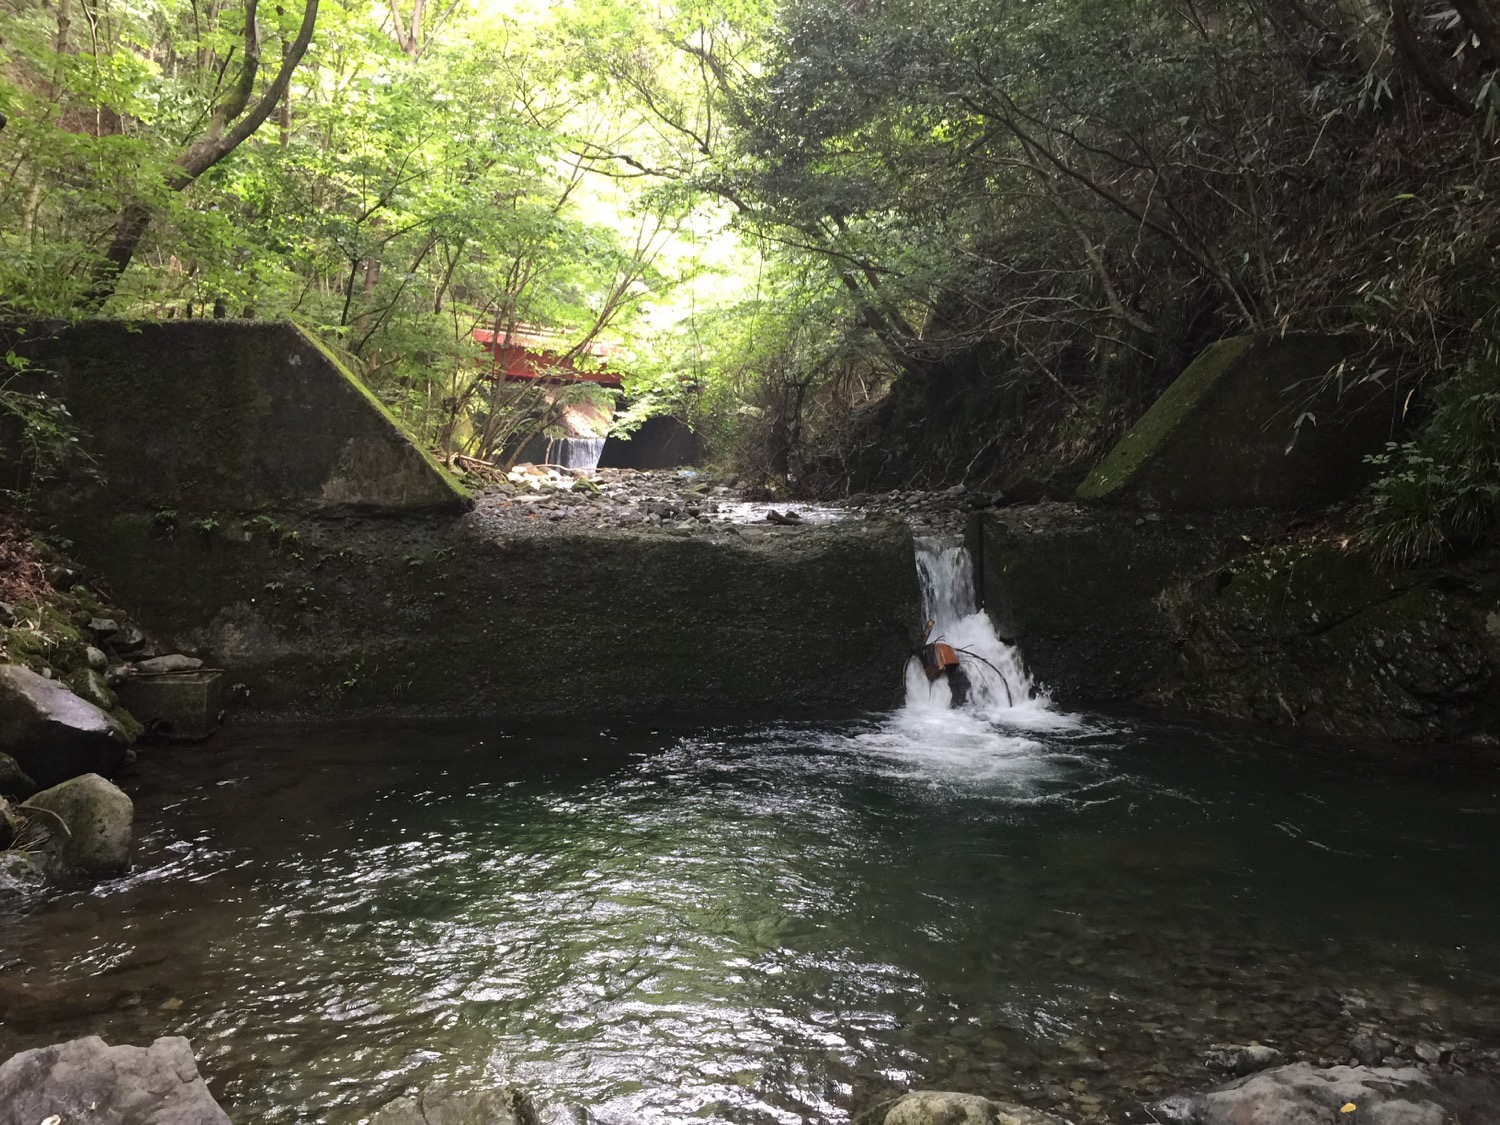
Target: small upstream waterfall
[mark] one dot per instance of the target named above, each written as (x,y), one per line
(997,681)
(575,452)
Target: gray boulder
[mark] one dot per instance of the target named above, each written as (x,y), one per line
(99,819)
(1246,1060)
(1302,1094)
(51,733)
(938,1107)
(86,1080)
(442,1106)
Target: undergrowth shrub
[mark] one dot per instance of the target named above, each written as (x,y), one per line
(1441,491)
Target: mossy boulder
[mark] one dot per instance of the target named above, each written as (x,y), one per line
(14,781)
(100,822)
(1254,422)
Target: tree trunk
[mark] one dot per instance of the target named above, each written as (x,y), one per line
(218,140)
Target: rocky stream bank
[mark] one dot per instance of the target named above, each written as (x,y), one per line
(88,1081)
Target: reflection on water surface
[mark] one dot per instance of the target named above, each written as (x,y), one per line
(760,922)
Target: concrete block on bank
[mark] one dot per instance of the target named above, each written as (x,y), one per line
(215,416)
(180,706)
(1221,436)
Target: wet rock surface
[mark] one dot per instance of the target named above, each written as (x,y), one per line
(51,733)
(14,781)
(99,819)
(86,1080)
(937,1107)
(1320,637)
(1305,1095)
(533,499)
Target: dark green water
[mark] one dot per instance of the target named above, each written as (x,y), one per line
(757,922)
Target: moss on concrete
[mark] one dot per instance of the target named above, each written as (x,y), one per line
(1162,421)
(208,417)
(1221,436)
(361,614)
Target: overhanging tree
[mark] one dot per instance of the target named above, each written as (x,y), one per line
(232,121)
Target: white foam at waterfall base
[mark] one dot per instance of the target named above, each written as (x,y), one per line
(999,686)
(994,732)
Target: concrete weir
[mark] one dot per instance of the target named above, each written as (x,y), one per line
(260,509)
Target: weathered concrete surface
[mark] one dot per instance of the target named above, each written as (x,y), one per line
(180,706)
(1188,612)
(211,417)
(86,1080)
(444,614)
(1078,590)
(1316,636)
(1217,438)
(260,511)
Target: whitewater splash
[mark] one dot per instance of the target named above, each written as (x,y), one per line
(1005,733)
(997,680)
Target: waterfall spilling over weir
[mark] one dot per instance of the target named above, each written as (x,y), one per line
(996,679)
(575,452)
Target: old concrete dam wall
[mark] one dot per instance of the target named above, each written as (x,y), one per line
(257,507)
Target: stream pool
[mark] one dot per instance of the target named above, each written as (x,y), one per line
(768,921)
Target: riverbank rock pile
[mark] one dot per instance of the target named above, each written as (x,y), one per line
(56,742)
(86,1080)
(534,498)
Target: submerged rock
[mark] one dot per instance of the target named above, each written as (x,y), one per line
(86,1080)
(99,821)
(51,733)
(938,1107)
(20,876)
(442,1106)
(1302,1094)
(1246,1060)
(25,1003)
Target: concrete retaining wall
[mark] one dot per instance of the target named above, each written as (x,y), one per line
(260,510)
